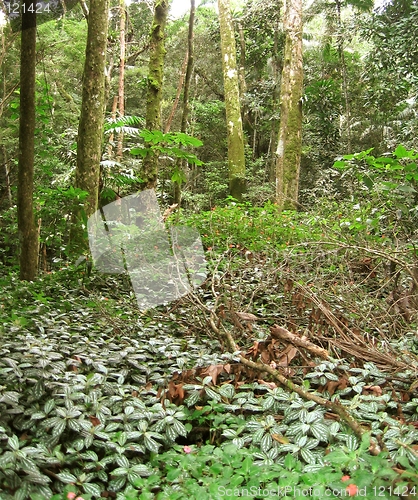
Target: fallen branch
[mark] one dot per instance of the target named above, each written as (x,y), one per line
(334,406)
(282,333)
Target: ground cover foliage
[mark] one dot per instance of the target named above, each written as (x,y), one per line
(195,399)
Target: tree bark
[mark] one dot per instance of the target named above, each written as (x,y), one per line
(90,129)
(28,235)
(155,84)
(275,122)
(340,45)
(188,77)
(7,177)
(179,89)
(112,135)
(290,133)
(121,93)
(236,158)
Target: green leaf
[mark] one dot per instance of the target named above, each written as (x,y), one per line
(117,484)
(179,427)
(266,443)
(352,443)
(227,391)
(212,394)
(6,459)
(59,427)
(151,445)
(247,465)
(368,182)
(320,431)
(92,489)
(307,455)
(173,474)
(21,493)
(406,188)
(122,461)
(66,477)
(141,469)
(120,471)
(143,152)
(401,152)
(13,442)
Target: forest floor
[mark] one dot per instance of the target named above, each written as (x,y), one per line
(291,372)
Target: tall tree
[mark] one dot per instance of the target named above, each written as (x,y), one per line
(90,129)
(155,85)
(185,112)
(275,122)
(28,235)
(289,147)
(236,158)
(121,91)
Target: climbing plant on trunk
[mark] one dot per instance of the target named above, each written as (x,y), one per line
(289,146)
(90,130)
(236,158)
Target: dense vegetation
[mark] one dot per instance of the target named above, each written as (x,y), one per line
(292,370)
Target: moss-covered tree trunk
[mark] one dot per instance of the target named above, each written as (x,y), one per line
(28,235)
(121,91)
(236,158)
(90,129)
(155,85)
(290,133)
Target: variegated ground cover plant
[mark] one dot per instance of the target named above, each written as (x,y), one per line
(100,401)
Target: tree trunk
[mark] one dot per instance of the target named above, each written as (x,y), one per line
(275,122)
(236,158)
(340,45)
(179,89)
(112,135)
(90,129)
(155,84)
(28,235)
(290,133)
(188,77)
(121,93)
(7,177)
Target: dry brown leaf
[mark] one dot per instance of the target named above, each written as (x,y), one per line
(287,355)
(213,371)
(94,420)
(331,386)
(374,388)
(270,385)
(246,316)
(280,439)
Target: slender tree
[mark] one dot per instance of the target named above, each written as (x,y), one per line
(155,84)
(185,112)
(290,132)
(179,89)
(90,129)
(236,158)
(121,92)
(275,122)
(28,235)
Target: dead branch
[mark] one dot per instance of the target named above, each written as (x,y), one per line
(282,333)
(335,406)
